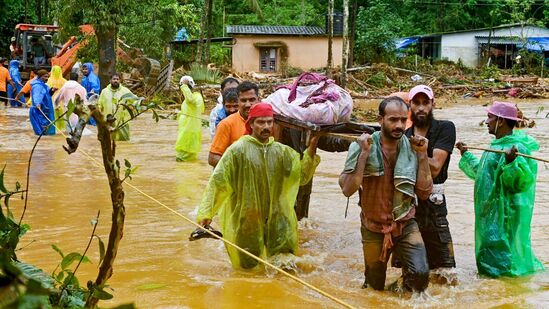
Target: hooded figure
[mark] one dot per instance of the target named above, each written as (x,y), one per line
(91,81)
(253,189)
(504,198)
(109,103)
(57,81)
(65,94)
(41,112)
(189,134)
(16,78)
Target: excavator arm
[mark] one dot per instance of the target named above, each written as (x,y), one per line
(147,67)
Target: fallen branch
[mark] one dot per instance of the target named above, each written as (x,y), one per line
(361,84)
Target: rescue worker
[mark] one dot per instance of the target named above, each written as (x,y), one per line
(26,90)
(109,103)
(18,85)
(4,80)
(38,51)
(189,135)
(505,188)
(233,127)
(57,81)
(14,51)
(90,81)
(68,92)
(392,171)
(431,213)
(253,188)
(41,113)
(219,113)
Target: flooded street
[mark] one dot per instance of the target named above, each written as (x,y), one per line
(157,267)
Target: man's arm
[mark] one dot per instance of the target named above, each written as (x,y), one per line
(424,181)
(468,163)
(350,182)
(18,96)
(213,159)
(310,161)
(220,143)
(443,146)
(437,161)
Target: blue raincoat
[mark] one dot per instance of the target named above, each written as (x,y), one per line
(92,85)
(41,98)
(91,82)
(16,78)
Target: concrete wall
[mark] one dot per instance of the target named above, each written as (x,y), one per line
(464,45)
(304,52)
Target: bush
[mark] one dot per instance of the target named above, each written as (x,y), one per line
(203,74)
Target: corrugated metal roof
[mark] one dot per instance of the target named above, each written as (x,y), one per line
(499,39)
(276,30)
(477,29)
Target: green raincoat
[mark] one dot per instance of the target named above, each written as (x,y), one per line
(108,101)
(189,136)
(254,187)
(504,202)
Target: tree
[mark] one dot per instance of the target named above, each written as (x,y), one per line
(110,18)
(345,53)
(376,28)
(329,66)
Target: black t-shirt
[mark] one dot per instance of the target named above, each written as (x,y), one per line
(441,135)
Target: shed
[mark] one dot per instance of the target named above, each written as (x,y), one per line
(470,46)
(275,48)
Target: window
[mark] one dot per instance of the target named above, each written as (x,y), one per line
(267,59)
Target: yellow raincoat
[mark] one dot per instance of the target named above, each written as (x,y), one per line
(254,187)
(189,136)
(108,102)
(56,80)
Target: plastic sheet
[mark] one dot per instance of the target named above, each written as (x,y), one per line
(504,202)
(254,187)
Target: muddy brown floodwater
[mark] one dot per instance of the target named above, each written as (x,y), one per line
(157,267)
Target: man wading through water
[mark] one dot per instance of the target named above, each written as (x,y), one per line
(253,188)
(392,170)
(505,189)
(431,212)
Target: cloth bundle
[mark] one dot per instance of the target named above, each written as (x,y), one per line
(313,98)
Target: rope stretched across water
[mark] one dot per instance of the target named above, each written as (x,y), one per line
(228,242)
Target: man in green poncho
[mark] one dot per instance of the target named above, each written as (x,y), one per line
(254,187)
(110,103)
(505,187)
(189,134)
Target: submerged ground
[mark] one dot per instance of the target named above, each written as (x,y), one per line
(158,267)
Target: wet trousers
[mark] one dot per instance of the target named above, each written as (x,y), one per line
(408,246)
(434,229)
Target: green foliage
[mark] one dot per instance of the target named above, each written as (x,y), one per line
(161,24)
(203,74)
(90,53)
(377,28)
(275,12)
(491,71)
(219,55)
(528,63)
(378,80)
(26,286)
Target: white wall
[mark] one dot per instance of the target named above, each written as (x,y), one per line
(464,45)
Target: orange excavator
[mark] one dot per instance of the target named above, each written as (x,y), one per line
(66,56)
